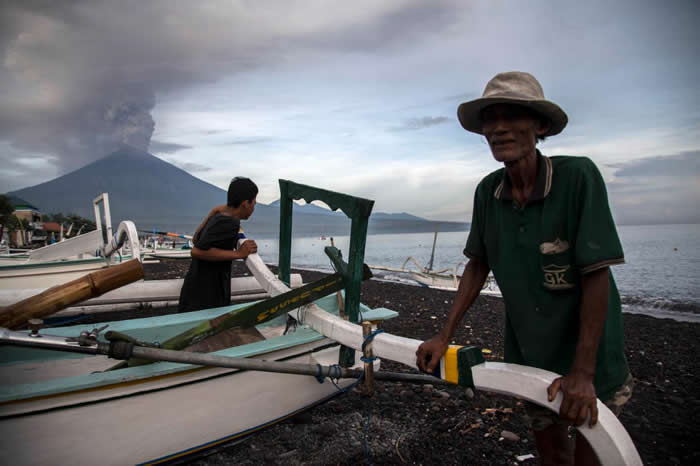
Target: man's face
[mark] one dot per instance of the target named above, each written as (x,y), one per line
(511,131)
(247,209)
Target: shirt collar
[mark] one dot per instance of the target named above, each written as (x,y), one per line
(543,182)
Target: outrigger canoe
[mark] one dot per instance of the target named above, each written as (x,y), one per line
(55,409)
(63,412)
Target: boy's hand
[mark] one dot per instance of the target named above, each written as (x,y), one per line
(248,247)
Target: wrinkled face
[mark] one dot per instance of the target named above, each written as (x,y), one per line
(247,209)
(511,131)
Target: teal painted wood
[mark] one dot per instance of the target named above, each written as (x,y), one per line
(285,254)
(353,207)
(80,382)
(152,329)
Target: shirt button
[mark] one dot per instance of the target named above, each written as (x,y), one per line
(537,309)
(522,229)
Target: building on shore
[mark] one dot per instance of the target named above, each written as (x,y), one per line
(30,216)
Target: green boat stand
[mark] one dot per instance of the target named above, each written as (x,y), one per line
(358,210)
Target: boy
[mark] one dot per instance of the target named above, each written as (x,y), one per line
(208,281)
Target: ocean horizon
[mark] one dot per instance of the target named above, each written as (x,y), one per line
(660,277)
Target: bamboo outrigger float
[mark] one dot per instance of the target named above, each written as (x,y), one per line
(135,414)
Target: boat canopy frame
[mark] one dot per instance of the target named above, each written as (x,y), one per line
(358,210)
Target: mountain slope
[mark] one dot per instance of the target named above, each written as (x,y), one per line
(156,194)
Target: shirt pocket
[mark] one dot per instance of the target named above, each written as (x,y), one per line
(556,266)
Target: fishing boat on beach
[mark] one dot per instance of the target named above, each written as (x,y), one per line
(443,279)
(58,390)
(144,294)
(175,248)
(74,257)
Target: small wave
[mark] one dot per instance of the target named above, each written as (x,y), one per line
(657,303)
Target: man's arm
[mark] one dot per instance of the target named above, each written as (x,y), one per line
(577,386)
(217,255)
(470,285)
(206,219)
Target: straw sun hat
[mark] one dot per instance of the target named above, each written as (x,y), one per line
(513,87)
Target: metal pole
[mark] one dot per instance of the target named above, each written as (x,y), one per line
(432,253)
(369,365)
(85,346)
(156,354)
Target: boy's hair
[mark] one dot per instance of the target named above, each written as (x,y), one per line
(241,189)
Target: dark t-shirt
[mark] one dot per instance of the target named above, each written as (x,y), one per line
(208,283)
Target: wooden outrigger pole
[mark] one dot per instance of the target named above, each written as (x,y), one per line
(61,296)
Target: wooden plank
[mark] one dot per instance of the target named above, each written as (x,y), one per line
(61,296)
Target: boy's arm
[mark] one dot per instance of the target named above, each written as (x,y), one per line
(214,211)
(218,255)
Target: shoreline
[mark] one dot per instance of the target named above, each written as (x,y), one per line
(412,424)
(691,316)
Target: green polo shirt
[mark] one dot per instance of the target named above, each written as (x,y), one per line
(538,253)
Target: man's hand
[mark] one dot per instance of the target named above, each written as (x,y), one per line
(247,248)
(579,397)
(429,353)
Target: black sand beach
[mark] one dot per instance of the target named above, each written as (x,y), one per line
(412,424)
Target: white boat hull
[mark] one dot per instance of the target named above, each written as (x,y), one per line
(142,294)
(130,424)
(436,281)
(48,274)
(169,253)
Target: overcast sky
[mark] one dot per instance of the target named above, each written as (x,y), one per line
(358,97)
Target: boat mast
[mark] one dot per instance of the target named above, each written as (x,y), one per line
(432,253)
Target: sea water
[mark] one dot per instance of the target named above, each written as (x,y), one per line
(661,276)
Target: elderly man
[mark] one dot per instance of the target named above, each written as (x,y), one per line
(543,226)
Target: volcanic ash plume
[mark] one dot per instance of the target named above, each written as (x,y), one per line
(128,121)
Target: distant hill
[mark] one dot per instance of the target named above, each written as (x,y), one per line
(141,187)
(156,194)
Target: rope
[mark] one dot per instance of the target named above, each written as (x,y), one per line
(367,341)
(334,372)
(365,444)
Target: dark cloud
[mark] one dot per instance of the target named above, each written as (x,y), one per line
(79,78)
(413,124)
(395,28)
(247,141)
(661,189)
(684,164)
(160,147)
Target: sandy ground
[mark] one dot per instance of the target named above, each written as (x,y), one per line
(413,424)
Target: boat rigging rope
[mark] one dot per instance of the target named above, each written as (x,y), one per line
(368,339)
(334,373)
(335,370)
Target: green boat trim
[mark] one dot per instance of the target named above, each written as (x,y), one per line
(153,329)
